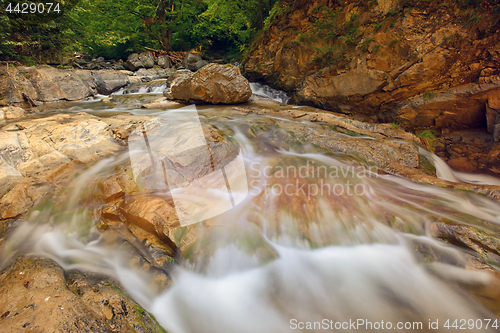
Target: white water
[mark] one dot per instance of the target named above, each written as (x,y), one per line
(277,257)
(266,91)
(444,172)
(141,91)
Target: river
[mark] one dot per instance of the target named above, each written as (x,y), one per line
(318,241)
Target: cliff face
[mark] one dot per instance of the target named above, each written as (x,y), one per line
(416,63)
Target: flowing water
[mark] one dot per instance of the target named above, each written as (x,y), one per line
(322,242)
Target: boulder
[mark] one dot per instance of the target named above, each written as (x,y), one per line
(200,64)
(163,61)
(109,81)
(190,61)
(133,63)
(214,84)
(147,59)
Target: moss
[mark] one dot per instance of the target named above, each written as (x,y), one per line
(428,95)
(426,166)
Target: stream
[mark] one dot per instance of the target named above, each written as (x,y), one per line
(315,241)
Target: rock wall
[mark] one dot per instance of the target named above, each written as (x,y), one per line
(417,63)
(30,85)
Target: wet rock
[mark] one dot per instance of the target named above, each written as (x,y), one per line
(21,197)
(214,84)
(152,214)
(32,157)
(493,115)
(482,242)
(162,102)
(469,150)
(37,295)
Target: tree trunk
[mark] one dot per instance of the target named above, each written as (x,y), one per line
(166,31)
(261,20)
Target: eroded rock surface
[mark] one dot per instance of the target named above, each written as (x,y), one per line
(36,295)
(32,86)
(420,64)
(32,157)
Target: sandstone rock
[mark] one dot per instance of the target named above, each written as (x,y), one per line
(215,84)
(37,295)
(9,176)
(190,61)
(154,215)
(493,114)
(453,108)
(428,50)
(386,6)
(163,61)
(20,198)
(147,59)
(11,113)
(463,164)
(41,149)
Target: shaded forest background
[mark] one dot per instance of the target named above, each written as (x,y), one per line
(115,28)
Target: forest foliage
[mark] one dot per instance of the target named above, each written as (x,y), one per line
(114,29)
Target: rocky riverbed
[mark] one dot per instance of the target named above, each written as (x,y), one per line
(65,159)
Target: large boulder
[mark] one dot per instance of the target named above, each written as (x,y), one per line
(48,84)
(214,84)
